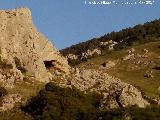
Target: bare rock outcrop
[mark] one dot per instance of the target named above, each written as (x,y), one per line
(116,93)
(72,57)
(91,53)
(9,101)
(108,64)
(24,48)
(110,44)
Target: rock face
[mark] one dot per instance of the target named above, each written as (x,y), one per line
(9,101)
(116,93)
(72,57)
(25,49)
(90,53)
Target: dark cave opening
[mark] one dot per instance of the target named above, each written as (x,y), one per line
(49,64)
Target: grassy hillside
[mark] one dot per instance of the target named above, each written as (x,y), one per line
(133,71)
(142,70)
(139,34)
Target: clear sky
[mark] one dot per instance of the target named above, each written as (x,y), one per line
(67,22)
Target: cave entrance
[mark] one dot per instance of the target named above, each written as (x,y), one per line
(49,64)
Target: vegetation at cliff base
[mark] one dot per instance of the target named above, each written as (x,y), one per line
(56,103)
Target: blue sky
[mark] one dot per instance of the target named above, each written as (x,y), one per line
(67,22)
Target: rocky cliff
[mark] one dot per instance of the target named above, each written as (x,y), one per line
(23,50)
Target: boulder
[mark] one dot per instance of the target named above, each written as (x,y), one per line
(72,57)
(148,74)
(128,57)
(108,64)
(131,96)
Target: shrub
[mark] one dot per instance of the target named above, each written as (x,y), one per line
(58,103)
(149,113)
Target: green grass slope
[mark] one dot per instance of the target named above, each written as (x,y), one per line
(133,71)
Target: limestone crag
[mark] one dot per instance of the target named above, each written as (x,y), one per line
(115,92)
(9,101)
(89,53)
(72,57)
(24,48)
